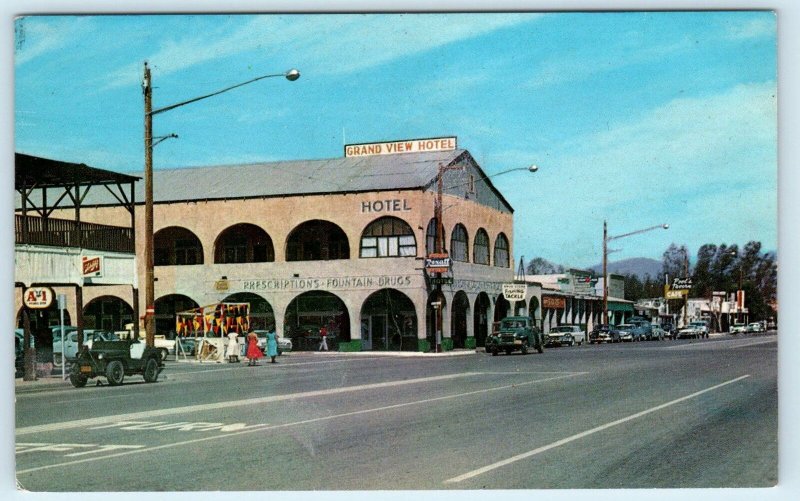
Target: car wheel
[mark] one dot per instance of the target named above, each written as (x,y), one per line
(163,352)
(150,370)
(115,372)
(524,349)
(493,352)
(280,352)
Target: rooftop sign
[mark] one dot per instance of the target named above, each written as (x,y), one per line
(405,146)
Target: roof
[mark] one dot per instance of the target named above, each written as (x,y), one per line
(299,177)
(38,172)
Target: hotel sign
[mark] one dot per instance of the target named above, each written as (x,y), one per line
(406,146)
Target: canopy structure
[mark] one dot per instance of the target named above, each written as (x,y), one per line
(214,320)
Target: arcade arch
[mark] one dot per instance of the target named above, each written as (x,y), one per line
(317,240)
(388,322)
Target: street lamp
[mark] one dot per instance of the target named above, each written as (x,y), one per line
(607,239)
(439,243)
(147,88)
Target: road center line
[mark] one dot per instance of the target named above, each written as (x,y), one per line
(258,428)
(520,457)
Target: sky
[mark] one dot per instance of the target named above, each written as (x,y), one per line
(636,118)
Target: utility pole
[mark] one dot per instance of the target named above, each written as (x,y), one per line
(605,272)
(686,296)
(149,281)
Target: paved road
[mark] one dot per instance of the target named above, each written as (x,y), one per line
(693,413)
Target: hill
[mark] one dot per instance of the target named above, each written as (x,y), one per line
(639,266)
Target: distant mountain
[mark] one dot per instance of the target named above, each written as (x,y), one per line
(639,266)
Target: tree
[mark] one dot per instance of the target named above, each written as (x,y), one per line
(541,266)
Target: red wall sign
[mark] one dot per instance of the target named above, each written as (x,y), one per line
(38,298)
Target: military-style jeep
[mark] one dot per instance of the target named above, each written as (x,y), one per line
(115,360)
(515,333)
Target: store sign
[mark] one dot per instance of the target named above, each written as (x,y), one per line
(92,266)
(437,263)
(221,285)
(682,283)
(38,298)
(673,294)
(390,205)
(514,292)
(554,302)
(406,146)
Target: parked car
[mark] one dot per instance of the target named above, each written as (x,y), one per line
(90,336)
(657,334)
(694,330)
(115,360)
(738,328)
(755,327)
(567,335)
(628,332)
(644,330)
(603,333)
(515,333)
(669,330)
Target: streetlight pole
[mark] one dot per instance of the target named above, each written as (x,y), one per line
(147,89)
(607,239)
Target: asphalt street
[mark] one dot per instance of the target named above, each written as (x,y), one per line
(686,413)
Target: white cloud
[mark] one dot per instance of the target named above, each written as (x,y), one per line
(755,28)
(39,36)
(333,44)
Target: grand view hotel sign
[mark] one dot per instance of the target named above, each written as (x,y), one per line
(405,146)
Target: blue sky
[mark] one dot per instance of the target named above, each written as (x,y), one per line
(637,118)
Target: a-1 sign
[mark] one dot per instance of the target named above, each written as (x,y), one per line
(38,298)
(514,292)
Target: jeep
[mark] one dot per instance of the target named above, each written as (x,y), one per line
(115,360)
(515,333)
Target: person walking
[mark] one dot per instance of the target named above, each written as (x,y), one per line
(253,353)
(272,345)
(323,334)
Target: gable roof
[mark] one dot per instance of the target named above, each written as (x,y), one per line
(300,177)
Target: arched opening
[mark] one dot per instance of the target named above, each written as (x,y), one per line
(501,251)
(481,318)
(520,309)
(501,308)
(430,237)
(459,244)
(480,250)
(243,243)
(433,321)
(533,311)
(166,307)
(317,240)
(108,313)
(388,322)
(308,312)
(388,237)
(176,246)
(458,321)
(262,316)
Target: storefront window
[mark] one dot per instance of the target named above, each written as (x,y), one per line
(481,249)
(388,237)
(459,244)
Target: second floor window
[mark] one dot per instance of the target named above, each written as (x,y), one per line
(388,237)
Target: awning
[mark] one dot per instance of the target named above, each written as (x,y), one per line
(620,307)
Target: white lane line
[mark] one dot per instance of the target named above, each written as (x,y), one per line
(278,365)
(765,341)
(723,343)
(137,416)
(520,457)
(266,427)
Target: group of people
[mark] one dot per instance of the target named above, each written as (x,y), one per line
(253,353)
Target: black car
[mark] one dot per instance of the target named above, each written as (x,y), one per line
(604,334)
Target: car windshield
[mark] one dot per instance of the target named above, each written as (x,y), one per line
(513,324)
(561,329)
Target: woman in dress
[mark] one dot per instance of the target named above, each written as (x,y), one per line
(272,345)
(253,353)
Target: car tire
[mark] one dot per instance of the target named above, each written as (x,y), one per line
(524,349)
(115,373)
(150,371)
(493,352)
(162,353)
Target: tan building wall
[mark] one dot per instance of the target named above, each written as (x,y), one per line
(352,280)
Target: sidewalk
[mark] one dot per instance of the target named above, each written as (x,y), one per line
(452,353)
